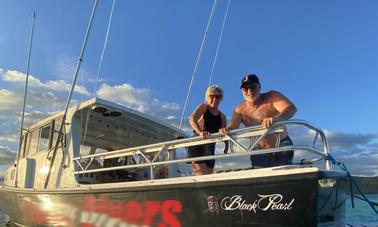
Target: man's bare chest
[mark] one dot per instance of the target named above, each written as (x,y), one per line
(255,115)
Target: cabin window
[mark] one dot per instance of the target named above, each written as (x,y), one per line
(32,143)
(44,138)
(22,147)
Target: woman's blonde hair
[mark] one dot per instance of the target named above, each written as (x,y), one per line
(214,89)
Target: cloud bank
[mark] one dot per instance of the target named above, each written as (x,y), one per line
(7,156)
(54,85)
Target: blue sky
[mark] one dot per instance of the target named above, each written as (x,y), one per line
(321,54)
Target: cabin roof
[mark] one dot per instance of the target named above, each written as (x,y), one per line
(112,108)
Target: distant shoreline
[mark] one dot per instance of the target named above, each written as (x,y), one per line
(368,185)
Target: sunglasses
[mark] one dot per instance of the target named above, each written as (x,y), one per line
(215,96)
(250,86)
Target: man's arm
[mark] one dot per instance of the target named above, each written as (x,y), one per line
(284,106)
(286,109)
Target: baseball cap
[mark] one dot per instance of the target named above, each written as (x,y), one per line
(249,79)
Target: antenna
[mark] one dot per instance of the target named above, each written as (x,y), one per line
(26,81)
(25,92)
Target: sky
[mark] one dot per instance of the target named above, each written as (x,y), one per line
(322,55)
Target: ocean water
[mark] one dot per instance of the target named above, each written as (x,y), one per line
(359,216)
(362,214)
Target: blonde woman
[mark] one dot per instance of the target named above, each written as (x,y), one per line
(206,119)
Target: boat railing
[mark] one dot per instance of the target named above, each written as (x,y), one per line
(149,154)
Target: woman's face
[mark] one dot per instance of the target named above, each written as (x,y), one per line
(213,99)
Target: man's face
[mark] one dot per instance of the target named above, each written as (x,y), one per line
(251,92)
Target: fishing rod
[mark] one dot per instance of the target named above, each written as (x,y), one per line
(197,62)
(80,60)
(219,43)
(100,65)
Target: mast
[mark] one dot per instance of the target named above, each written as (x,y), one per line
(80,60)
(25,92)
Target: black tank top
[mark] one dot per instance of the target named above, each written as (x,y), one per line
(212,123)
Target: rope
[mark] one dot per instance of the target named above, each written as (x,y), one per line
(99,66)
(352,183)
(219,42)
(197,62)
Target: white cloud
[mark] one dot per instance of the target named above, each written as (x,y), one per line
(7,156)
(11,136)
(358,151)
(55,85)
(43,99)
(138,99)
(9,102)
(125,94)
(39,106)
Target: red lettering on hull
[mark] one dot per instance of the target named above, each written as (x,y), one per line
(100,211)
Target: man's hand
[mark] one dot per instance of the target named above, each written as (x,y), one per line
(267,122)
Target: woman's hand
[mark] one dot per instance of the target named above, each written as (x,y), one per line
(204,134)
(224,131)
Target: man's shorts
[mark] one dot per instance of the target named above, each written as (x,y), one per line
(274,159)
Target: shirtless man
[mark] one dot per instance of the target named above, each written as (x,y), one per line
(265,109)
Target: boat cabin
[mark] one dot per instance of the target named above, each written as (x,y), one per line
(94,127)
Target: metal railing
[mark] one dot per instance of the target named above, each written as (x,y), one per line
(149,154)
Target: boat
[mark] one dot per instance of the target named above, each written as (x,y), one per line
(118,167)
(99,163)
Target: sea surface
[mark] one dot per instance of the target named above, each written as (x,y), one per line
(361,215)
